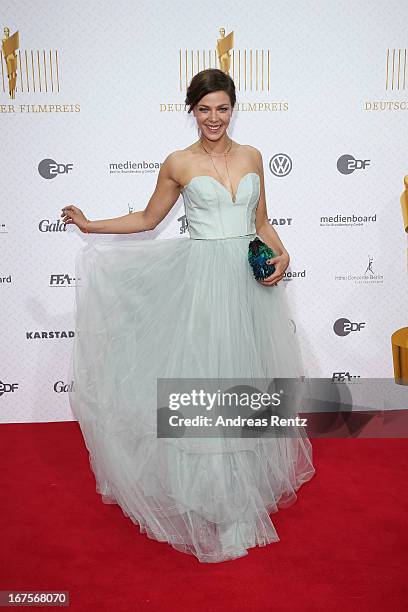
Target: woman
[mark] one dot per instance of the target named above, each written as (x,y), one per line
(187,308)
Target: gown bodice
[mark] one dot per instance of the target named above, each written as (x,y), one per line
(211,213)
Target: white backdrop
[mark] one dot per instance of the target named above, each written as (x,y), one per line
(336,90)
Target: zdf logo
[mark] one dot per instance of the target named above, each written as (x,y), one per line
(49,169)
(7,387)
(346,164)
(342,327)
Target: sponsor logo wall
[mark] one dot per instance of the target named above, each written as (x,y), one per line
(90,106)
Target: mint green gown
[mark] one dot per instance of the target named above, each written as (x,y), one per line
(186,307)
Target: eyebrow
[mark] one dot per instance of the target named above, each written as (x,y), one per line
(206,105)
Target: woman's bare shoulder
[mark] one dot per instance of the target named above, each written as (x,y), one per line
(179,156)
(252,151)
(254,156)
(178,163)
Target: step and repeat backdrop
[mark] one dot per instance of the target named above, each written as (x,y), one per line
(91,103)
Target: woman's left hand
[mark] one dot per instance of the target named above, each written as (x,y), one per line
(281,263)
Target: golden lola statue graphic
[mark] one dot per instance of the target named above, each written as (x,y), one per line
(250,68)
(224,46)
(31,71)
(399,339)
(9,46)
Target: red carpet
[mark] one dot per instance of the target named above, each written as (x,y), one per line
(344,543)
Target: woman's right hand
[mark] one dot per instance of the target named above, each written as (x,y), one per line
(72,214)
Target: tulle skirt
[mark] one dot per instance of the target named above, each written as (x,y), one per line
(182,308)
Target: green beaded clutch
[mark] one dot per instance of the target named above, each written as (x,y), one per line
(258,253)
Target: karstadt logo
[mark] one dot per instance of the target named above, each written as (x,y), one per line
(281,221)
(7,387)
(280,164)
(49,335)
(343,327)
(346,164)
(49,169)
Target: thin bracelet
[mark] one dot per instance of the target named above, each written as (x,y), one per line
(86,227)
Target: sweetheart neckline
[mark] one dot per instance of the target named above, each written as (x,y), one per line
(219,183)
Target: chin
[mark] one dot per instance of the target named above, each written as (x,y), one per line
(212,136)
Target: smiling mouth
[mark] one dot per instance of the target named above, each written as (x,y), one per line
(213,128)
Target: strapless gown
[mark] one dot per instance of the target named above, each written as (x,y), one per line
(186,307)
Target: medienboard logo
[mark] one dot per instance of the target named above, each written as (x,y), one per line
(349,220)
(134,167)
(292,274)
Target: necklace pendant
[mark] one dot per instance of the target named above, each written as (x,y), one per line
(233,199)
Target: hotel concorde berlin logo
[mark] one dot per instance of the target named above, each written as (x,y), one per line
(249,68)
